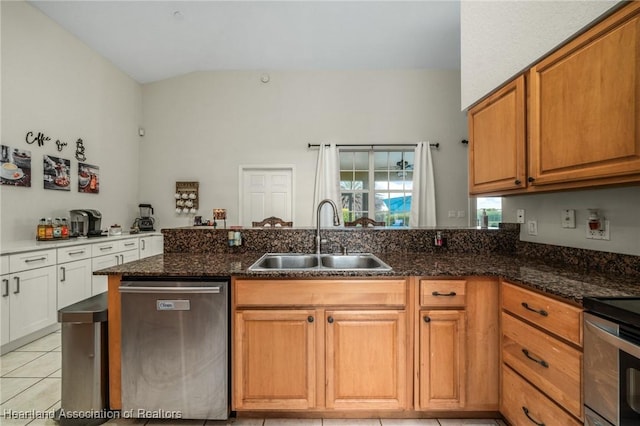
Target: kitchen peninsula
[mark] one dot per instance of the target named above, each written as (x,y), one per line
(476,265)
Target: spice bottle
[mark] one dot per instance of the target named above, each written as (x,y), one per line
(48,229)
(65,228)
(41,229)
(57,228)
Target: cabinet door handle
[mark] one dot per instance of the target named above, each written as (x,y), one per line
(121,259)
(426,319)
(144,247)
(17,290)
(542,362)
(330,320)
(310,318)
(526,413)
(38,259)
(537,311)
(517,182)
(530,179)
(5,292)
(117,259)
(64,274)
(451,293)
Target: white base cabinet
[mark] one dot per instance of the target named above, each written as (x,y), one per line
(151,245)
(74,274)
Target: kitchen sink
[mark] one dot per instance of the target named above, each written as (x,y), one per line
(327,262)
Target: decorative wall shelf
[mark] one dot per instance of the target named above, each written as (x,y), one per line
(187,197)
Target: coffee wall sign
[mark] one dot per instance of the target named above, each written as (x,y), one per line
(40,139)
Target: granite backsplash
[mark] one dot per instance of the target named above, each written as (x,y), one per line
(504,241)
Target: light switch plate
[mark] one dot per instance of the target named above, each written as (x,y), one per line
(532,227)
(568,218)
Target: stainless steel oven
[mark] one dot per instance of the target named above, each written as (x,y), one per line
(612,361)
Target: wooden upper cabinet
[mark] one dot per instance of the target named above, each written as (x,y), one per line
(584,106)
(497,151)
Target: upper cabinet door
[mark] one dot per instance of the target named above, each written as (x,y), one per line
(584,120)
(497,151)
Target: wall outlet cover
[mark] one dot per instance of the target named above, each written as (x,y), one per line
(520,216)
(569,218)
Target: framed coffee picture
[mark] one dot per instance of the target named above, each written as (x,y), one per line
(15,166)
(55,173)
(88,178)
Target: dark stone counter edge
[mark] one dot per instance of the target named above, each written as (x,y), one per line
(565,284)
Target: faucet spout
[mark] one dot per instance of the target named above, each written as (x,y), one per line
(336,220)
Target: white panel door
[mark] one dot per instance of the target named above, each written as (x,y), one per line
(266,192)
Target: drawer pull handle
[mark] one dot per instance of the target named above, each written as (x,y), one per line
(541,311)
(5,292)
(106,248)
(35,260)
(72,253)
(526,413)
(310,318)
(542,362)
(129,244)
(436,293)
(426,319)
(330,320)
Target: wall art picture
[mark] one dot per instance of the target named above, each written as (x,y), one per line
(88,178)
(15,166)
(56,173)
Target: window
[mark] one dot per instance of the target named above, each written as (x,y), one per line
(493,206)
(377,184)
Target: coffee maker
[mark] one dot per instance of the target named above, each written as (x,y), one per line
(145,221)
(85,223)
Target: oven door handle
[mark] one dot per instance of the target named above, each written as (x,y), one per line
(613,340)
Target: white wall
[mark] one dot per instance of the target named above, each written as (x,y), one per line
(619,205)
(203,126)
(53,83)
(499,39)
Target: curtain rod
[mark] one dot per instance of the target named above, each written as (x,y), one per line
(434,145)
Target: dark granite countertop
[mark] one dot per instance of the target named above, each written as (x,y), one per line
(561,282)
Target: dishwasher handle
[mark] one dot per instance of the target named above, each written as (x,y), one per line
(171,290)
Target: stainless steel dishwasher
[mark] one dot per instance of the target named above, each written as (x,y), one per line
(175,341)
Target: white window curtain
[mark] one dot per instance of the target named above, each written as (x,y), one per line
(327,183)
(423,197)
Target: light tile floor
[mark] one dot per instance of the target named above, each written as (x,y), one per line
(30,383)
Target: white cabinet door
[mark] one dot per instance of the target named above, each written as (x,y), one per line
(33,301)
(129,256)
(74,282)
(151,245)
(4,309)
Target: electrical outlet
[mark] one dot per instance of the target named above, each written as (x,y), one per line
(451,213)
(520,216)
(568,218)
(460,213)
(599,234)
(532,227)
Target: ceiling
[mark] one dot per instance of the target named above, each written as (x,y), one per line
(154,40)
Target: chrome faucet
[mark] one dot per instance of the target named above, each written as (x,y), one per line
(336,220)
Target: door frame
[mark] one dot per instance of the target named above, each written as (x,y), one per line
(270,167)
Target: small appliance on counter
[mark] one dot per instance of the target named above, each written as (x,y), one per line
(145,221)
(85,223)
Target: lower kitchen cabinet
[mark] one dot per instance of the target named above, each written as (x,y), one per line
(457,344)
(74,274)
(275,354)
(108,254)
(151,245)
(345,350)
(366,359)
(442,359)
(32,301)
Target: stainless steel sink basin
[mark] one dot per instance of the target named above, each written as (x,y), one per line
(327,262)
(285,261)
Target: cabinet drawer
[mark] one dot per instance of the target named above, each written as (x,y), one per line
(354,292)
(129,244)
(4,264)
(31,260)
(552,366)
(107,247)
(522,404)
(443,293)
(553,315)
(69,254)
